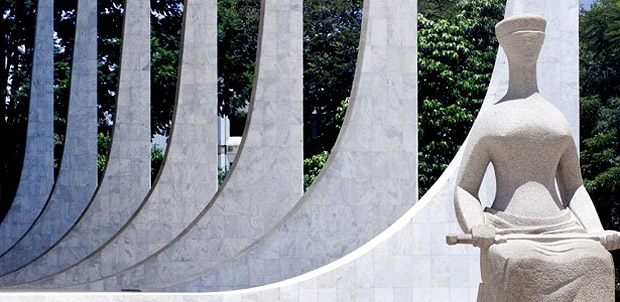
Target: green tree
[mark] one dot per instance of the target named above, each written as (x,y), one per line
(237,41)
(222,173)
(16,45)
(331,38)
(600,158)
(599,36)
(157,158)
(456,56)
(104,141)
(600,107)
(166,30)
(599,69)
(438,9)
(455,62)
(315,163)
(313,166)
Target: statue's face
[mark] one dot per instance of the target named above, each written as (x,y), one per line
(522,47)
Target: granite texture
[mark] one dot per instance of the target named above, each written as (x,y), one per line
(77,178)
(370,178)
(127,177)
(558,53)
(557,70)
(529,142)
(188,176)
(37,175)
(266,180)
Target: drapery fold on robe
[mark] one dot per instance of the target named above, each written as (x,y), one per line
(563,270)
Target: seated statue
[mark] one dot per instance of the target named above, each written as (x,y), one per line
(555,247)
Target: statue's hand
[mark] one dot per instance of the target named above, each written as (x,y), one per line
(611,240)
(483,235)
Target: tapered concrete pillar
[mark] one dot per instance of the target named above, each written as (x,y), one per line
(127,176)
(188,176)
(266,179)
(370,178)
(394,83)
(37,176)
(77,178)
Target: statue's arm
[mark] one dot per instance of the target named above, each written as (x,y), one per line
(572,191)
(476,158)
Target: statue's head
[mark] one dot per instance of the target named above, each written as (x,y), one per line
(521,37)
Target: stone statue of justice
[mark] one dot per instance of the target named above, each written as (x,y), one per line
(536,244)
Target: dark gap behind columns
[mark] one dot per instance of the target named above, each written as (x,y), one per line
(17,28)
(238,22)
(331,41)
(166,29)
(456,55)
(109,42)
(64,30)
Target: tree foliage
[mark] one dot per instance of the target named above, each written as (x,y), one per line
(438,9)
(166,29)
(456,53)
(455,62)
(237,41)
(104,142)
(600,107)
(157,158)
(315,163)
(331,38)
(16,45)
(313,166)
(599,35)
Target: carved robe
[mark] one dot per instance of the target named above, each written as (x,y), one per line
(564,270)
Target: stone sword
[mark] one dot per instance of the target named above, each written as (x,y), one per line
(454,239)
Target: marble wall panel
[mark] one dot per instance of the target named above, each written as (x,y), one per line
(398,265)
(77,178)
(37,175)
(127,177)
(266,179)
(188,177)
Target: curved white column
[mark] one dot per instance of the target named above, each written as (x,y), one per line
(370,178)
(37,175)
(127,177)
(77,178)
(188,176)
(266,179)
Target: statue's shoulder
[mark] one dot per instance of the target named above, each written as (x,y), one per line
(485,122)
(532,117)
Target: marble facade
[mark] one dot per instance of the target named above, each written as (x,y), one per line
(358,234)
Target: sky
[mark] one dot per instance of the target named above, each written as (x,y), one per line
(586,3)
